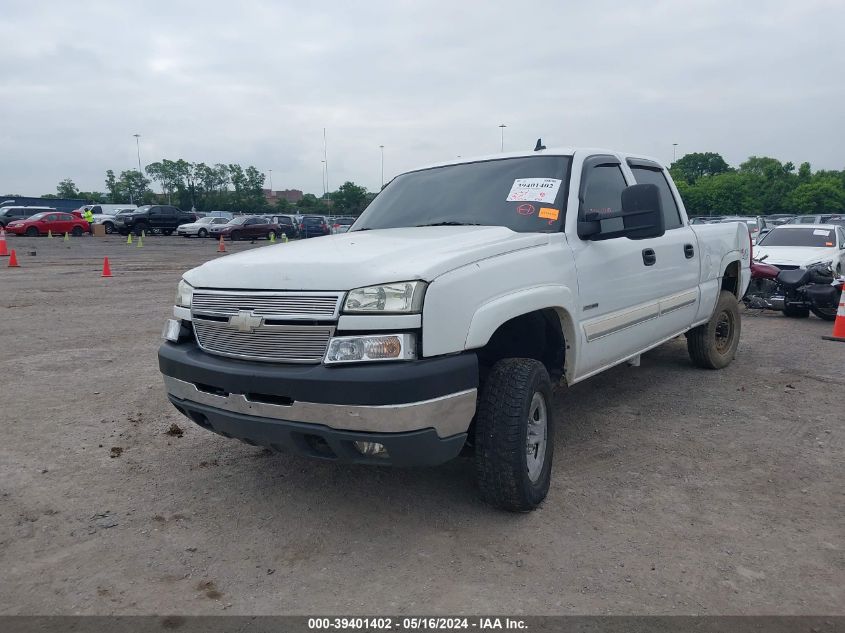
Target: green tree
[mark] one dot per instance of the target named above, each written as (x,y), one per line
(691,167)
(111,186)
(349,198)
(821,195)
(67,189)
(166,173)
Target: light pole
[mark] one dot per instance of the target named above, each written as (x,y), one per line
(270,171)
(674,150)
(140,173)
(502,127)
(323,176)
(381,147)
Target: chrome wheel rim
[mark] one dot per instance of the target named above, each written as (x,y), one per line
(535,443)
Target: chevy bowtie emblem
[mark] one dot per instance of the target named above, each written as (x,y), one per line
(245,321)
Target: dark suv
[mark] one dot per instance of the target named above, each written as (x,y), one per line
(313,226)
(10,214)
(153,217)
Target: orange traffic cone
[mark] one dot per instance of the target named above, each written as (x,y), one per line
(838,325)
(4,252)
(106,267)
(221,247)
(13,260)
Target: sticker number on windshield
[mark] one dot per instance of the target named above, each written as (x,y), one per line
(821,232)
(534,190)
(548,213)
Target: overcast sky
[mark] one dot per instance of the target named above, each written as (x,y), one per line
(256,83)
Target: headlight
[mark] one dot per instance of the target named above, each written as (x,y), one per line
(184,294)
(403,297)
(352,349)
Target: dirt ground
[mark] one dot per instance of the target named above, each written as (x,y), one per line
(675,490)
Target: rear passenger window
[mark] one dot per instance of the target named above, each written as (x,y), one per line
(645,176)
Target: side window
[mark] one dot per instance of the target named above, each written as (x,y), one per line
(603,189)
(168,211)
(645,176)
(97,209)
(155,211)
(53,217)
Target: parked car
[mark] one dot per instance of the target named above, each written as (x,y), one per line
(153,217)
(792,246)
(313,226)
(200,227)
(815,218)
(10,213)
(286,225)
(42,223)
(221,214)
(342,224)
(465,291)
(104,209)
(108,220)
(245,227)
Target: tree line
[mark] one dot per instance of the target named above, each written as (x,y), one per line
(759,186)
(708,185)
(202,187)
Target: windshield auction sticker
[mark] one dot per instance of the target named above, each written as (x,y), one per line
(534,189)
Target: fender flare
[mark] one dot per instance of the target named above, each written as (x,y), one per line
(491,315)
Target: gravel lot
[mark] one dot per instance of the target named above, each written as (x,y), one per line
(675,490)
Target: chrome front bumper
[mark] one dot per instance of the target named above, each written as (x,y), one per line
(448,415)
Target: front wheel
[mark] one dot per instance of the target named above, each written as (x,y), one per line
(141,228)
(201,233)
(77,231)
(713,345)
(236,235)
(109,227)
(514,435)
(32,232)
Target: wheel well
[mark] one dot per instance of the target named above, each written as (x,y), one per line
(536,335)
(730,280)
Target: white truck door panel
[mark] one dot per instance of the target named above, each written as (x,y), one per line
(677,254)
(619,289)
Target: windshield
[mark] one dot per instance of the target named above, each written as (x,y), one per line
(142,209)
(38,216)
(812,237)
(239,220)
(207,220)
(525,194)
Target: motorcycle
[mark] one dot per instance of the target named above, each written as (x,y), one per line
(796,293)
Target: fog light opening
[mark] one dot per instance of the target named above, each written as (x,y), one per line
(371,449)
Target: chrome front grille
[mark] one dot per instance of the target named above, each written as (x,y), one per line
(262,325)
(322,305)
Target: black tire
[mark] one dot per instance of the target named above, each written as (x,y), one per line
(271,235)
(167,231)
(77,231)
(796,313)
(827,314)
(713,344)
(32,232)
(109,227)
(501,435)
(202,233)
(141,228)
(236,235)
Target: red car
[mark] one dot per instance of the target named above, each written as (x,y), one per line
(56,221)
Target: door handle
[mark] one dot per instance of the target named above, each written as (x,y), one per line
(689,251)
(649,258)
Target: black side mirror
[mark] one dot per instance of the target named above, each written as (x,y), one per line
(641,215)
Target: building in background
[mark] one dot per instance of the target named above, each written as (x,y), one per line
(291,195)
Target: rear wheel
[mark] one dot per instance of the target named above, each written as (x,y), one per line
(201,233)
(514,435)
(77,231)
(32,232)
(109,227)
(796,313)
(167,231)
(271,235)
(713,345)
(828,314)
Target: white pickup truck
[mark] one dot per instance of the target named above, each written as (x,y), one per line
(442,320)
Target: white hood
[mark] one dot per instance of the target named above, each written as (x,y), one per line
(794,255)
(361,258)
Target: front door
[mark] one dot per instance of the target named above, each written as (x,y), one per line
(617,278)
